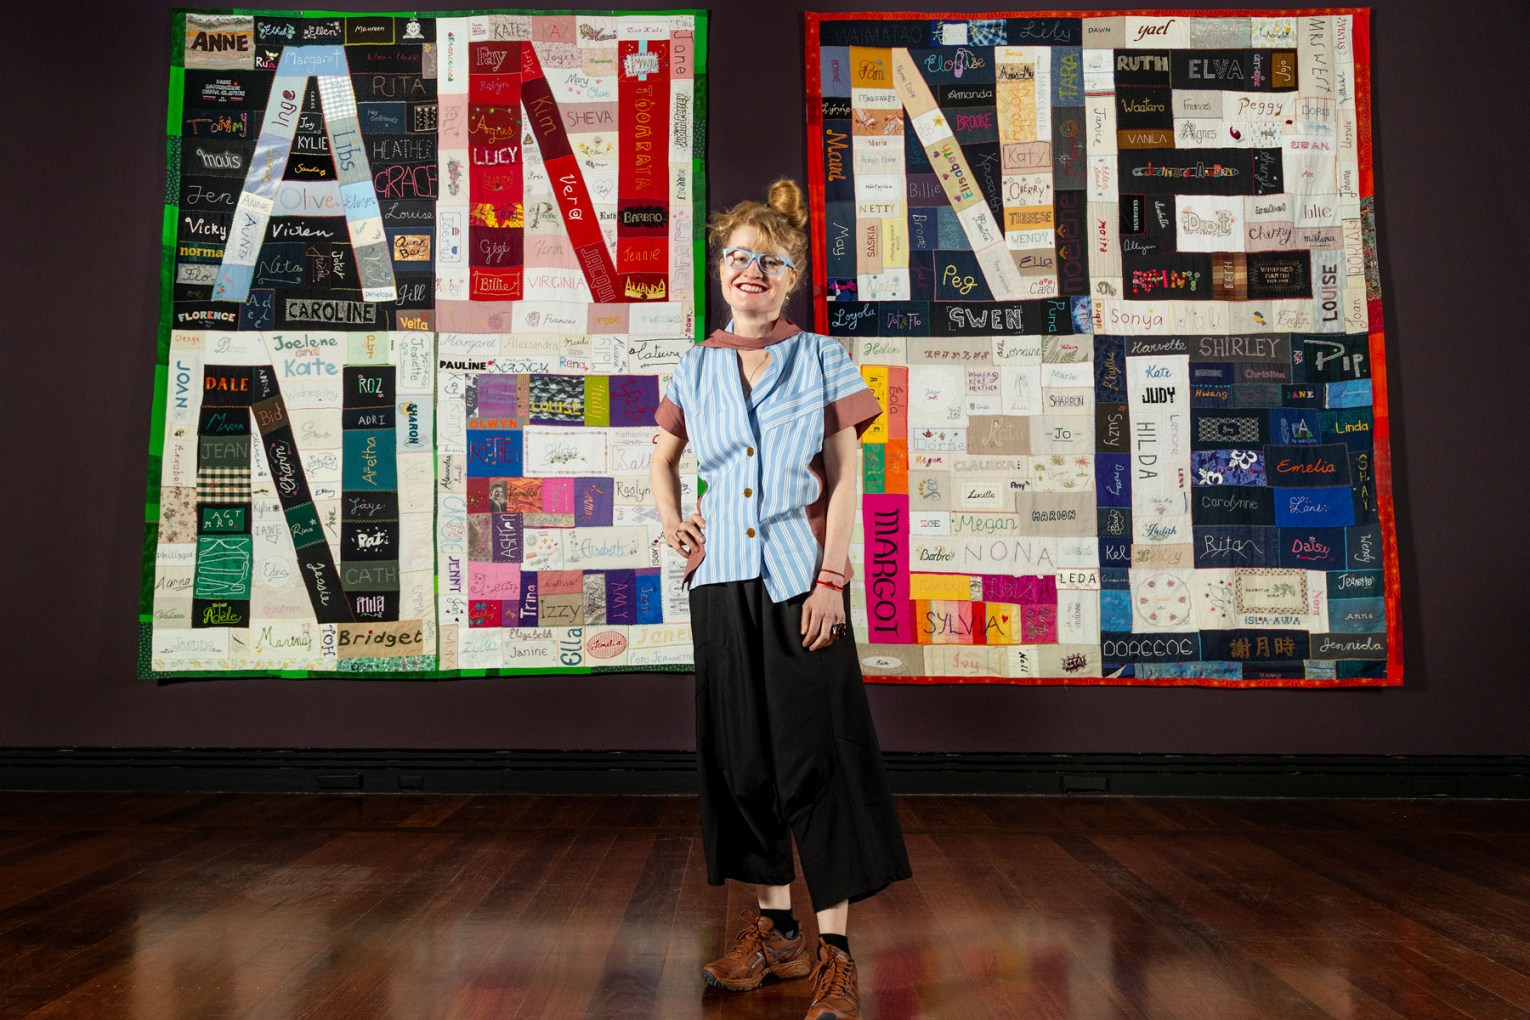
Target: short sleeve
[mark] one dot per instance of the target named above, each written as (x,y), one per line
(671,412)
(847,400)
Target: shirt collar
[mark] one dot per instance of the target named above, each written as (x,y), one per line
(785,328)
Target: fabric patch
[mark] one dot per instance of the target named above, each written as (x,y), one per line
(223,567)
(1228,467)
(223,485)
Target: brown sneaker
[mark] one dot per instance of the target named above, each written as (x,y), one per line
(759,950)
(834,993)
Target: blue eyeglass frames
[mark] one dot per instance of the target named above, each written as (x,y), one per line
(770,265)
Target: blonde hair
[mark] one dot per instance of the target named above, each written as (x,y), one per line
(778,221)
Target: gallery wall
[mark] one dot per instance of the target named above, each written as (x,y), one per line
(87,91)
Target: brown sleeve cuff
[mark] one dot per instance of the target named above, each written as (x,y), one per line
(671,419)
(859,409)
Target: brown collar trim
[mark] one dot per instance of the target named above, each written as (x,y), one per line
(785,328)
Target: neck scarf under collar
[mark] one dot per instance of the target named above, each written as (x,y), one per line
(722,338)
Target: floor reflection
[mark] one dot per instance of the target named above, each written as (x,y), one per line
(295,915)
(291,960)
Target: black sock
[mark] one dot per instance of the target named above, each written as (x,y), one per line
(841,942)
(783,920)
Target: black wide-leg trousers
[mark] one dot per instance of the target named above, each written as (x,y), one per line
(786,747)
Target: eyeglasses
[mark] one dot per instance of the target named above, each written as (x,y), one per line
(770,265)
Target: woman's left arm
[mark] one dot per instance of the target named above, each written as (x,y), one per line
(824,606)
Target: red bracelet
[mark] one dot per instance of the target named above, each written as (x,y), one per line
(826,570)
(830,584)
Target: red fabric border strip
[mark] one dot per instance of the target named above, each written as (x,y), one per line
(1381,416)
(1361,44)
(816,16)
(1381,437)
(1098,681)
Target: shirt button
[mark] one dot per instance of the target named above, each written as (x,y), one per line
(749,450)
(750,532)
(748,493)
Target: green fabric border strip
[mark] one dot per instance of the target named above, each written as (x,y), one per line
(178,37)
(146,587)
(174,104)
(168,227)
(145,660)
(416,676)
(177,97)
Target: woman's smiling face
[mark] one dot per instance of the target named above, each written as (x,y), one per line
(749,291)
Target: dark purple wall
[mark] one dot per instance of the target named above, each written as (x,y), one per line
(86,84)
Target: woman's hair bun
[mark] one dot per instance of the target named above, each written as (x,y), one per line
(787,199)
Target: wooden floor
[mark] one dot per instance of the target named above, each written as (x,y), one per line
(204,907)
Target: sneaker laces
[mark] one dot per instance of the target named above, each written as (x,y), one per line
(833,976)
(749,941)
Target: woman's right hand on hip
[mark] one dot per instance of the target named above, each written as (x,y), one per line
(686,535)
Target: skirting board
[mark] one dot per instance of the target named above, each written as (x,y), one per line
(673,772)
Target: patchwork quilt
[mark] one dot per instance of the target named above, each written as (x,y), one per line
(1114,278)
(423,280)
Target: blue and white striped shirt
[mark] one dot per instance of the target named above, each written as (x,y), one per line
(761,455)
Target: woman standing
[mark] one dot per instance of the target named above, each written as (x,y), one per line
(784,737)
